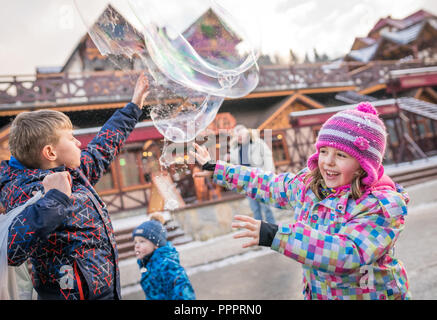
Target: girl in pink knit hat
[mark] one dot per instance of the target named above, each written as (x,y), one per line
(347,213)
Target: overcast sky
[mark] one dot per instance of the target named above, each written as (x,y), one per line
(44,32)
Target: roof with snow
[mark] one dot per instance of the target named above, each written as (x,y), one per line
(404,36)
(353,97)
(365,54)
(419,107)
(414,18)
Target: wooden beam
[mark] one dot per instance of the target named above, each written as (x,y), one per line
(305,100)
(431,93)
(267,94)
(286,103)
(114,105)
(326,90)
(14,112)
(373,89)
(5,132)
(310,101)
(418,93)
(84,107)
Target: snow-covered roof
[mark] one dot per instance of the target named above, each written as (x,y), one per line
(413,71)
(414,18)
(419,107)
(353,97)
(46,70)
(339,108)
(404,36)
(364,54)
(367,40)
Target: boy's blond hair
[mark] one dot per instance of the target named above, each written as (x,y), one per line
(31,131)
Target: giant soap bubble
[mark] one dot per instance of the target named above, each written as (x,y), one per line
(195,51)
(212,54)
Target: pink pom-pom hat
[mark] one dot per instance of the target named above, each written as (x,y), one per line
(358,132)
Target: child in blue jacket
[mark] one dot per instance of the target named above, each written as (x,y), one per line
(162,276)
(69,240)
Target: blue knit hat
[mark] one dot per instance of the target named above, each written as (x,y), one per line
(153,230)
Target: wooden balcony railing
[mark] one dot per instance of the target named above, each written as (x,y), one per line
(113,86)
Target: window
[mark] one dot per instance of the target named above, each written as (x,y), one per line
(150,160)
(280,148)
(425,128)
(392,134)
(129,169)
(106,182)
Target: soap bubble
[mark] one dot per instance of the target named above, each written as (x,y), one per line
(184,120)
(200,45)
(195,52)
(114,31)
(179,153)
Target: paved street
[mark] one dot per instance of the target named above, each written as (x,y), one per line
(264,274)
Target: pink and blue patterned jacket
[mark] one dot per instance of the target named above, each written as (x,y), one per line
(346,247)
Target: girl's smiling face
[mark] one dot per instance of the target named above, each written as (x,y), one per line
(337,167)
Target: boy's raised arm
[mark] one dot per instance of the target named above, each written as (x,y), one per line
(102,150)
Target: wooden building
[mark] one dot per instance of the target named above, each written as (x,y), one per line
(414,37)
(88,90)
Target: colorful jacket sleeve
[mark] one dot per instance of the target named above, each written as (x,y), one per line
(35,223)
(102,150)
(362,240)
(179,286)
(280,190)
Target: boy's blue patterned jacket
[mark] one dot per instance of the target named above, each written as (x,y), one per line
(163,278)
(71,244)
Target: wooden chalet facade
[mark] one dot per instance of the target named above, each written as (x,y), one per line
(291,101)
(413,37)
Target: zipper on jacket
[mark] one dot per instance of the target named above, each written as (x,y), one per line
(79,282)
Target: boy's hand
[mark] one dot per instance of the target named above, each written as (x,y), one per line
(253,226)
(141,90)
(58,180)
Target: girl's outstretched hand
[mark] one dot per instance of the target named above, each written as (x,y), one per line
(253,227)
(202,156)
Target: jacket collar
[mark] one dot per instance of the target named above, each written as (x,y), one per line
(143,262)
(335,192)
(336,198)
(16,164)
(13,162)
